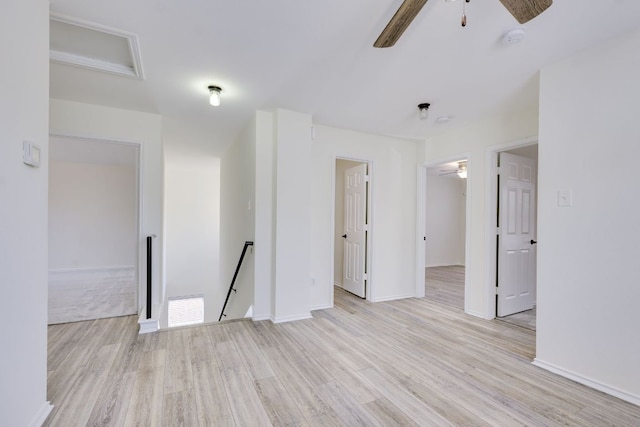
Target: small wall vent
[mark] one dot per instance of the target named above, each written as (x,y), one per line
(185,311)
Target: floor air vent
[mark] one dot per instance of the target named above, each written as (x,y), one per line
(186,310)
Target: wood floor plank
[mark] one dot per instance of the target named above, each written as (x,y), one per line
(249,352)
(403,362)
(62,341)
(179,409)
(200,345)
(348,409)
(445,285)
(226,354)
(212,402)
(145,405)
(280,406)
(403,399)
(113,402)
(389,414)
(179,375)
(308,401)
(80,350)
(246,406)
(78,402)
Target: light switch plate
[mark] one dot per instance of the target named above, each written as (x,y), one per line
(30,154)
(565,198)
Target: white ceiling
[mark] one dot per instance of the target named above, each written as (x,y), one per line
(317,58)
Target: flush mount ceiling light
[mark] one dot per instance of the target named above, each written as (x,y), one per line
(423,110)
(214,95)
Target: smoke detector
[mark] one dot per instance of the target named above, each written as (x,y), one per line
(513,36)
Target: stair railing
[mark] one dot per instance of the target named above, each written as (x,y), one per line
(233,281)
(149,266)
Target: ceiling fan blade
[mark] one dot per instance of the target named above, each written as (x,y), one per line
(526,10)
(399,23)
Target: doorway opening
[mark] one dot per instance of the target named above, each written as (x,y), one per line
(445,232)
(93,229)
(515,254)
(352,228)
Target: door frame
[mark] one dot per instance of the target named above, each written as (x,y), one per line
(491,203)
(370,215)
(421,219)
(140,252)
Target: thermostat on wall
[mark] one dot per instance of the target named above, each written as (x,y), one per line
(30,154)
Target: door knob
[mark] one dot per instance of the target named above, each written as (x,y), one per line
(344,235)
(533,242)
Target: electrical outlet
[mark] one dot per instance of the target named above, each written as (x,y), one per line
(313,281)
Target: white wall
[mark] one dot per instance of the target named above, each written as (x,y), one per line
(92,215)
(445,224)
(282,216)
(472,142)
(338,240)
(192,230)
(264,244)
(292,158)
(237,222)
(588,293)
(23,213)
(393,214)
(105,123)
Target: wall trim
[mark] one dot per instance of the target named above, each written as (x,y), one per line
(597,385)
(321,307)
(261,318)
(150,325)
(41,415)
(291,318)
(393,298)
(476,314)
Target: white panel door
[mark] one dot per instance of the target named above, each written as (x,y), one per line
(355,226)
(517,250)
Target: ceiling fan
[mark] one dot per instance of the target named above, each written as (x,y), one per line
(522,10)
(461,170)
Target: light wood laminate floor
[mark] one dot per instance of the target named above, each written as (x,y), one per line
(445,284)
(408,362)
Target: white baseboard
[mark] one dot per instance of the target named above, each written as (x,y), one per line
(42,415)
(392,298)
(477,314)
(260,318)
(628,397)
(321,307)
(292,318)
(149,325)
(339,285)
